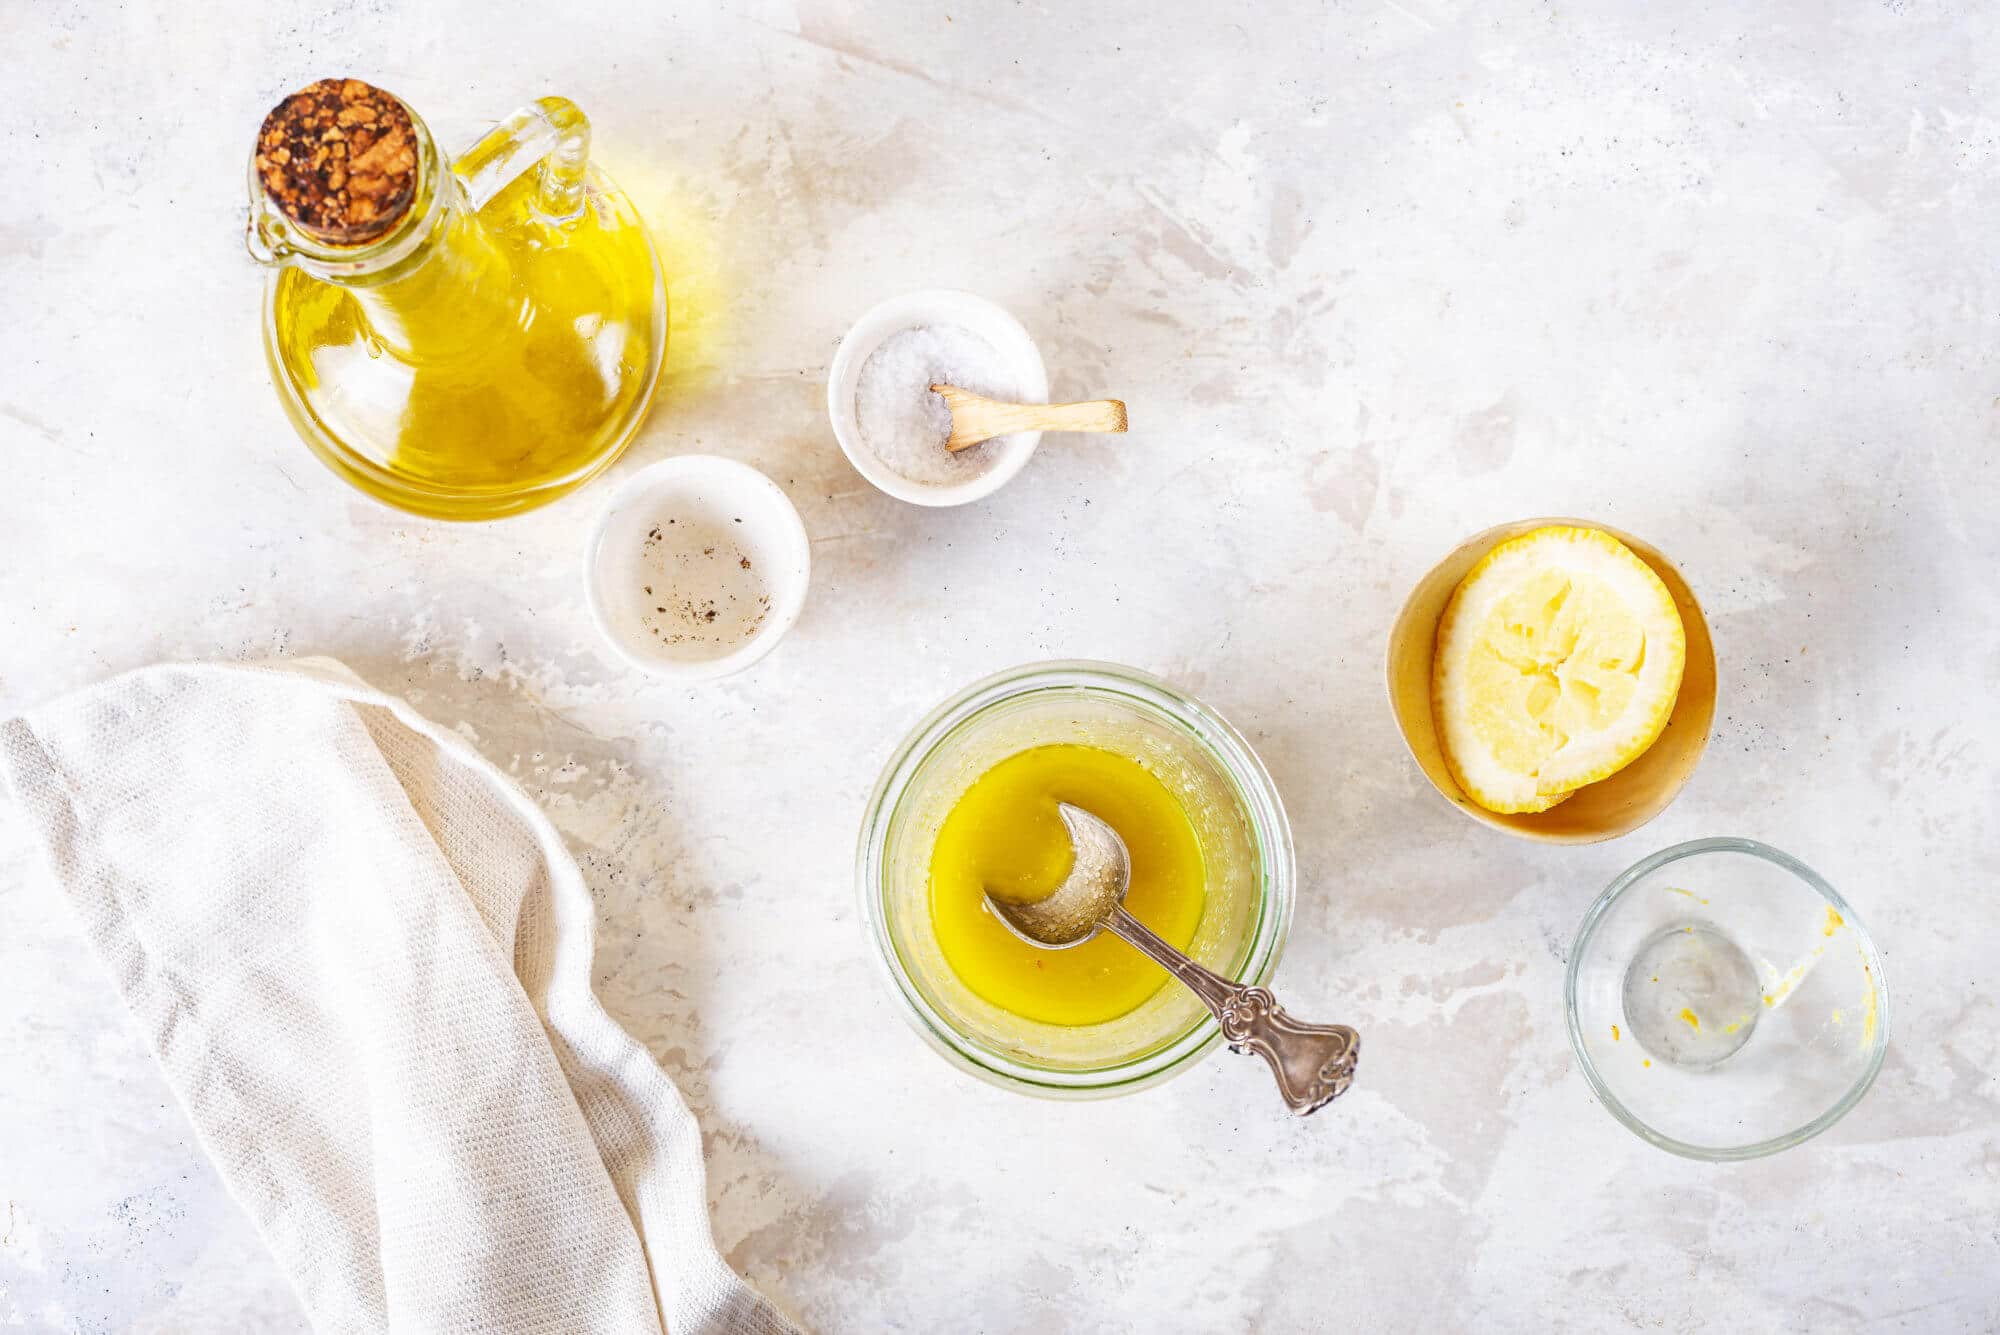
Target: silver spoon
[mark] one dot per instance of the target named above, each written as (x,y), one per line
(1314,1063)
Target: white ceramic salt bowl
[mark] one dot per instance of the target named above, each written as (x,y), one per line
(913,310)
(754,516)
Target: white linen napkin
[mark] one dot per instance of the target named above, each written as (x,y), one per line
(362,957)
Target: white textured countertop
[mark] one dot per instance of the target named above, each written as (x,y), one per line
(1723,276)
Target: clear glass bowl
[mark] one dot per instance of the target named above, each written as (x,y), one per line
(1724,1002)
(1246,844)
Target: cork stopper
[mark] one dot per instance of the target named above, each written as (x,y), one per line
(339,158)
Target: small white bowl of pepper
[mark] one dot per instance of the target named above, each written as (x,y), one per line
(696,568)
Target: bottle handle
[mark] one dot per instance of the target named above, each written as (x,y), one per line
(551,131)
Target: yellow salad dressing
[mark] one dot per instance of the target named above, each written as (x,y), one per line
(1004,834)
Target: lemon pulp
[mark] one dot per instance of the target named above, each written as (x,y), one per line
(1004,834)
(1559,660)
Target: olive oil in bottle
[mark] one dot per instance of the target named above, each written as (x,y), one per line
(464,340)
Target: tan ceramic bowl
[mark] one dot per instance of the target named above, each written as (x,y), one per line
(1602,810)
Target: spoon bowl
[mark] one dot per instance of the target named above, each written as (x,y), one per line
(1099,874)
(1313,1063)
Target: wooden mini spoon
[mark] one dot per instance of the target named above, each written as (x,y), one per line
(975,417)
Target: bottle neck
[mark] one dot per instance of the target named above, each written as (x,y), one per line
(453,291)
(435,286)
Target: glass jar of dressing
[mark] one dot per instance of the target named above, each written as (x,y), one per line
(1231,808)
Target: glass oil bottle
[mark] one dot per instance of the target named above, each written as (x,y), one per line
(463,339)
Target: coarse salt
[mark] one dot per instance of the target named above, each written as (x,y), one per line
(904,425)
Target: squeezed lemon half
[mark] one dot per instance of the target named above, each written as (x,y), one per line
(1558,662)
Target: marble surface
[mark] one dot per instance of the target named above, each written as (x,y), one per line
(1371,278)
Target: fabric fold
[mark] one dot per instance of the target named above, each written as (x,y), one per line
(362,957)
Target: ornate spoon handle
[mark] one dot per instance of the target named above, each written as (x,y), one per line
(1314,1063)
